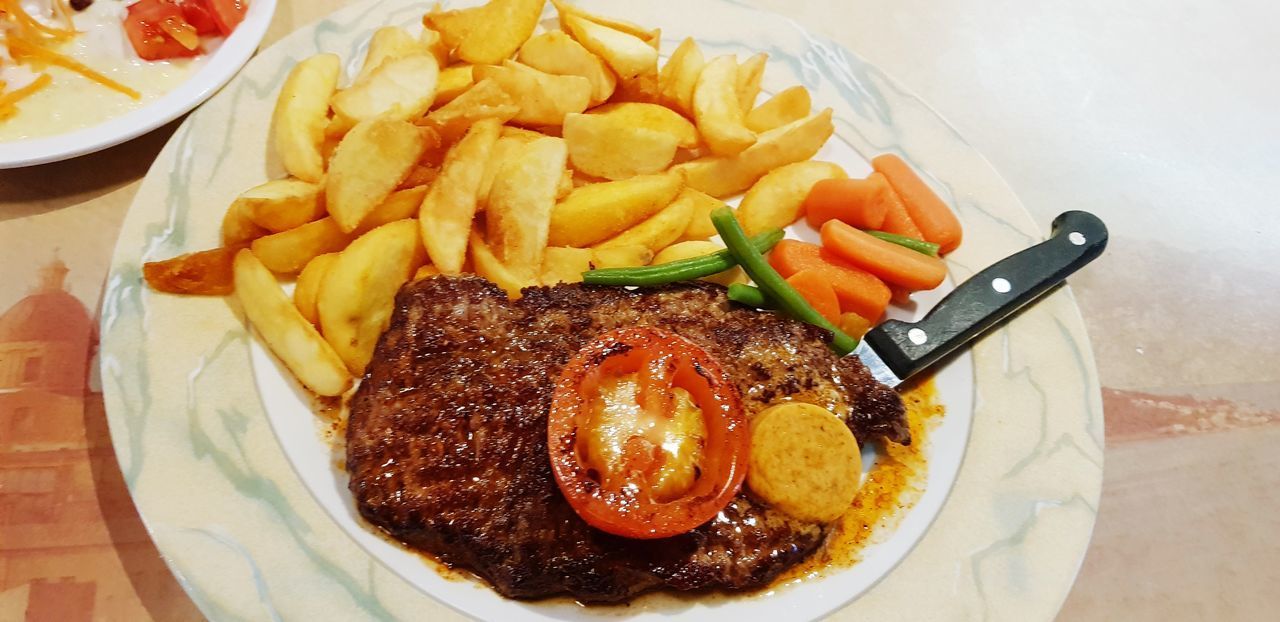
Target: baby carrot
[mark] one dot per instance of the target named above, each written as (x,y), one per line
(858,202)
(895,264)
(815,286)
(858,291)
(933,218)
(896,218)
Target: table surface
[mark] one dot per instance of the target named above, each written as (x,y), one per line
(1157,115)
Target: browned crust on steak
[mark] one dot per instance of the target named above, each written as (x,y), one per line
(446,442)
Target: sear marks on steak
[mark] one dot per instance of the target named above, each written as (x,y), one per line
(446,442)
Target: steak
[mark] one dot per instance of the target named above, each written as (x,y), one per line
(447,448)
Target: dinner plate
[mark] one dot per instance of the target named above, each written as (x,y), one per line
(214,72)
(236,480)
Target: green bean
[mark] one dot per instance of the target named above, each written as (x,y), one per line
(683,270)
(771,283)
(919,246)
(748,295)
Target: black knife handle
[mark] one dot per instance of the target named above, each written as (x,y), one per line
(990,296)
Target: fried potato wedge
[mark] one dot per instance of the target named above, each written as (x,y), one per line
(717,110)
(698,248)
(679,76)
(436,45)
(777,200)
(726,176)
(369,164)
(206,273)
(358,292)
(652,117)
(288,335)
(804,461)
(544,98)
(399,88)
(506,145)
(750,76)
(238,228)
(523,135)
(289,251)
(489,33)
(307,288)
(387,43)
(787,106)
(640,89)
(450,204)
(650,36)
(281,204)
(658,231)
(611,148)
(302,114)
(557,53)
(700,227)
(421,175)
(453,82)
(518,214)
(425,271)
(400,205)
(561,264)
(597,212)
(485,100)
(627,55)
(622,256)
(487,265)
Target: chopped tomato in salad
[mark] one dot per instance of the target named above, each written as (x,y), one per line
(646,434)
(160,29)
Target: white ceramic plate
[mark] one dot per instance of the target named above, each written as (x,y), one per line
(216,71)
(240,492)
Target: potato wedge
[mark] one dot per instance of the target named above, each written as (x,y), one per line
(750,76)
(658,231)
(544,98)
(387,43)
(523,135)
(281,204)
(652,117)
(450,204)
(368,165)
(640,89)
(597,212)
(777,200)
(425,271)
(288,335)
(238,228)
(399,88)
(518,214)
(302,113)
(489,33)
(307,287)
(726,176)
(485,100)
(650,36)
(421,175)
(207,273)
(717,110)
(787,106)
(289,251)
(700,227)
(488,265)
(566,184)
(502,150)
(679,76)
(358,293)
(562,264)
(453,82)
(627,55)
(804,461)
(611,148)
(435,44)
(557,53)
(400,205)
(625,256)
(699,248)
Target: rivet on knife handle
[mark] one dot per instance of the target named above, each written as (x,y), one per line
(990,296)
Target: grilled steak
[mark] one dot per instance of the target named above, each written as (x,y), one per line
(446,442)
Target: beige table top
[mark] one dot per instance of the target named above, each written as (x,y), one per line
(1158,115)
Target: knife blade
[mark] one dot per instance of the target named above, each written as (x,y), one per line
(895,350)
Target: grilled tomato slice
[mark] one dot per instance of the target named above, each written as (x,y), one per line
(646,434)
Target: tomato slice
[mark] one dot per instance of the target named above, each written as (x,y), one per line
(154,28)
(662,363)
(199,15)
(228,14)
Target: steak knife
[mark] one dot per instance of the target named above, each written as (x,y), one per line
(896,350)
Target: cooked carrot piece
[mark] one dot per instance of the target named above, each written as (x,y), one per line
(859,202)
(815,285)
(856,290)
(897,265)
(930,214)
(896,218)
(854,325)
